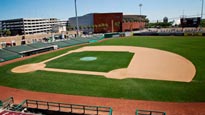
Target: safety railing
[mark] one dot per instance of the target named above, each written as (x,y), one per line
(63,107)
(149,112)
(7,103)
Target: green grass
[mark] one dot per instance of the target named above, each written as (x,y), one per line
(190,47)
(106,61)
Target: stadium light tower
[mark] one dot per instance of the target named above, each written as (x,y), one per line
(76,14)
(140,5)
(202,9)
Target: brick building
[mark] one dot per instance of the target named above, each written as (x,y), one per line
(98,22)
(133,22)
(108,22)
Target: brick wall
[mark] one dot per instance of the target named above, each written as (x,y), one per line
(113,20)
(129,26)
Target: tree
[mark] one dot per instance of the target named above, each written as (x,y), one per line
(1,32)
(88,27)
(80,27)
(103,25)
(100,25)
(92,26)
(160,24)
(8,32)
(147,20)
(202,24)
(106,25)
(96,26)
(117,24)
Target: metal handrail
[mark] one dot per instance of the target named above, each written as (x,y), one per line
(59,106)
(7,102)
(150,112)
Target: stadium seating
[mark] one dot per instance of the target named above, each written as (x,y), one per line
(73,42)
(19,49)
(61,44)
(40,45)
(82,40)
(7,55)
(10,53)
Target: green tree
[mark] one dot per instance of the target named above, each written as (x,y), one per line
(160,24)
(6,32)
(1,32)
(117,24)
(106,25)
(92,26)
(202,24)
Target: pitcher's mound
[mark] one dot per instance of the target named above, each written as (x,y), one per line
(28,68)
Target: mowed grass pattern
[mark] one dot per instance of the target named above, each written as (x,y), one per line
(106,61)
(191,48)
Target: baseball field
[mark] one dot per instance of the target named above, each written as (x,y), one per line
(97,85)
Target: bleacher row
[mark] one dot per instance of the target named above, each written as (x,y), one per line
(10,53)
(36,107)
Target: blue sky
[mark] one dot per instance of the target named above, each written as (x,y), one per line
(63,9)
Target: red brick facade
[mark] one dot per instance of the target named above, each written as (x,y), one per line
(107,22)
(130,26)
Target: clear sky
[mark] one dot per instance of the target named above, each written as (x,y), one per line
(63,9)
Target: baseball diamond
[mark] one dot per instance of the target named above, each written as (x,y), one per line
(166,72)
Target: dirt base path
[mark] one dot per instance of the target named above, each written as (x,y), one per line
(147,63)
(120,106)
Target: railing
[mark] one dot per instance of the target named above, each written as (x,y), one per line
(63,107)
(19,107)
(7,103)
(148,112)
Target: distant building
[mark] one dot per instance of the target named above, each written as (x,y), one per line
(60,27)
(0,26)
(165,20)
(99,22)
(24,26)
(64,23)
(133,22)
(108,22)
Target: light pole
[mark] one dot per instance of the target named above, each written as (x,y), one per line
(140,5)
(76,15)
(202,9)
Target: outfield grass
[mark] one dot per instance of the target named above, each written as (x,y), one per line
(106,61)
(190,47)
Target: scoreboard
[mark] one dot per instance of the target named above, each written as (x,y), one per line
(190,22)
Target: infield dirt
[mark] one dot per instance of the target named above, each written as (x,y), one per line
(146,63)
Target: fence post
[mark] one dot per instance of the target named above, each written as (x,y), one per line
(110,111)
(1,103)
(37,104)
(12,99)
(26,103)
(59,108)
(83,109)
(97,110)
(47,105)
(71,108)
(136,112)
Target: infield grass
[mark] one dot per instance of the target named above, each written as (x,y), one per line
(191,48)
(105,62)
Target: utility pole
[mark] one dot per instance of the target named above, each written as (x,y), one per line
(140,5)
(76,14)
(202,9)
